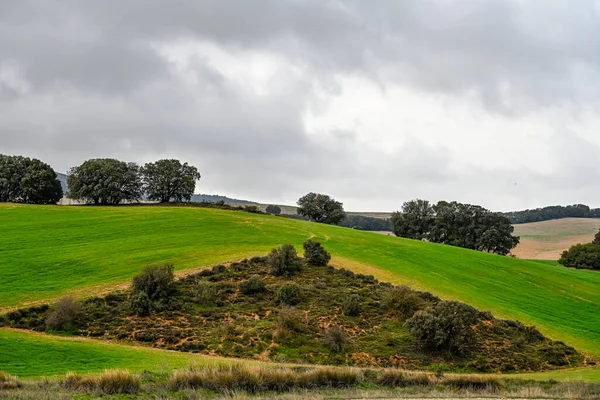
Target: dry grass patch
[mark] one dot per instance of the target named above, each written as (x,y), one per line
(8,381)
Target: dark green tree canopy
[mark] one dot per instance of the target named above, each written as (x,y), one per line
(415,220)
(321,208)
(28,180)
(168,180)
(456,224)
(105,181)
(273,209)
(581,256)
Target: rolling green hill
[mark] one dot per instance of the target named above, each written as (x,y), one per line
(49,251)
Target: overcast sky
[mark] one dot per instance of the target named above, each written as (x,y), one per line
(373,102)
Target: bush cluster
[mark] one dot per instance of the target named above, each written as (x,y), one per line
(336,338)
(445,326)
(581,256)
(315,254)
(153,285)
(351,305)
(284,261)
(403,301)
(288,294)
(65,314)
(254,284)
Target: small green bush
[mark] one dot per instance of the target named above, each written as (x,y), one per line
(291,319)
(65,314)
(155,280)
(205,293)
(140,304)
(403,301)
(253,285)
(446,326)
(351,305)
(284,260)
(336,338)
(315,254)
(288,294)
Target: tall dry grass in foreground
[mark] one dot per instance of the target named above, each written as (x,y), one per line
(267,381)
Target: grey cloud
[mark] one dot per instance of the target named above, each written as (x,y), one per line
(98,86)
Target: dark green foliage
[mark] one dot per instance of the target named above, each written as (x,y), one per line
(552,212)
(336,338)
(105,181)
(321,208)
(351,305)
(455,224)
(28,180)
(445,326)
(253,285)
(415,221)
(65,314)
(284,260)
(581,256)
(364,223)
(315,254)
(167,180)
(205,293)
(288,294)
(596,238)
(252,209)
(402,301)
(156,281)
(273,209)
(140,304)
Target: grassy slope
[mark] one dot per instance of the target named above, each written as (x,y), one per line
(49,250)
(30,355)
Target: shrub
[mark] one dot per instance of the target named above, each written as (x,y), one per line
(315,254)
(446,326)
(402,301)
(288,294)
(351,305)
(291,319)
(273,209)
(155,280)
(118,381)
(65,314)
(74,381)
(253,285)
(140,304)
(205,293)
(400,378)
(284,260)
(336,338)
(581,256)
(8,381)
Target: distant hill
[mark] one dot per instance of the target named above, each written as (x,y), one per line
(214,198)
(552,212)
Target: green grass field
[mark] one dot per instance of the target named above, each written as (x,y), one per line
(31,355)
(50,251)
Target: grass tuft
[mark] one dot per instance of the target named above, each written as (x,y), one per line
(8,381)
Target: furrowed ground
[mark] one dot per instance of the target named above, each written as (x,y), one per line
(46,252)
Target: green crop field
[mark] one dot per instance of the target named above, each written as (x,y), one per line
(46,252)
(28,354)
